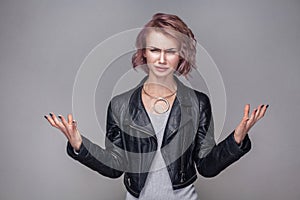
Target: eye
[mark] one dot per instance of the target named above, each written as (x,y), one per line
(171,51)
(155,50)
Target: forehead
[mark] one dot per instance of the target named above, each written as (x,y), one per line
(161,40)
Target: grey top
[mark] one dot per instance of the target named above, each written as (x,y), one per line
(158,184)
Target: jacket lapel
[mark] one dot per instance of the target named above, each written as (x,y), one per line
(137,116)
(181,112)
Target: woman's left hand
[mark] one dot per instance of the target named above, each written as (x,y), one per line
(247,123)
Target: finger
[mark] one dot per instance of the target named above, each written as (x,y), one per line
(252,118)
(70,119)
(262,111)
(259,109)
(74,125)
(56,121)
(246,112)
(50,120)
(63,120)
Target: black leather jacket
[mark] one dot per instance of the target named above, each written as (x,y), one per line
(188,142)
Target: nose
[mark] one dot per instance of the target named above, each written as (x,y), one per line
(162,58)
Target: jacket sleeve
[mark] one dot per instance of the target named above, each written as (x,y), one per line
(212,158)
(110,161)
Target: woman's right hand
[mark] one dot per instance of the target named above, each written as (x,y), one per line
(68,128)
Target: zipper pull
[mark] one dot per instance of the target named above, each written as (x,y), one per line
(129,183)
(182,177)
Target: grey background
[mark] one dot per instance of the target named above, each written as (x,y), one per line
(255,44)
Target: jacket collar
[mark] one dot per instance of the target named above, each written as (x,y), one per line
(180,112)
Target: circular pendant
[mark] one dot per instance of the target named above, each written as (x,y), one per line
(161,105)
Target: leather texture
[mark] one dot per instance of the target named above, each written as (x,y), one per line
(188,142)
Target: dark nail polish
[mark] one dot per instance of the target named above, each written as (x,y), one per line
(267,106)
(262,105)
(59,116)
(45,117)
(51,114)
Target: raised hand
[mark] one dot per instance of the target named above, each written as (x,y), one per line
(68,128)
(247,123)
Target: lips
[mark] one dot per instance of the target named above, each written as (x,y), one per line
(161,69)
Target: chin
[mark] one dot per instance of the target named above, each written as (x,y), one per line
(163,73)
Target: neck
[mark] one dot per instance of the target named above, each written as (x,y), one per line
(165,82)
(163,85)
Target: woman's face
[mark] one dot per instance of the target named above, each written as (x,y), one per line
(162,54)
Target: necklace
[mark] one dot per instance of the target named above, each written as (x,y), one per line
(161,104)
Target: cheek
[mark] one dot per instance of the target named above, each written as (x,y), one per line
(150,57)
(174,59)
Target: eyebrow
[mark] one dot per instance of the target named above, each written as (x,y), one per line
(161,49)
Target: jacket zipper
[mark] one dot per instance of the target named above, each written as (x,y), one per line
(139,129)
(164,139)
(182,161)
(129,187)
(129,182)
(182,177)
(178,185)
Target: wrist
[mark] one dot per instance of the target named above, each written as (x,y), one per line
(77,143)
(238,139)
(77,146)
(77,150)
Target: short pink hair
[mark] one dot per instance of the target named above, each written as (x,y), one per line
(173,26)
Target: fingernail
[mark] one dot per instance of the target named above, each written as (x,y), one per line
(267,106)
(50,114)
(262,106)
(59,116)
(45,116)
(73,121)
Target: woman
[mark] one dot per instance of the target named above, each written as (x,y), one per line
(160,132)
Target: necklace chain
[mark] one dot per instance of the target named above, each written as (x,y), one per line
(159,97)
(161,104)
